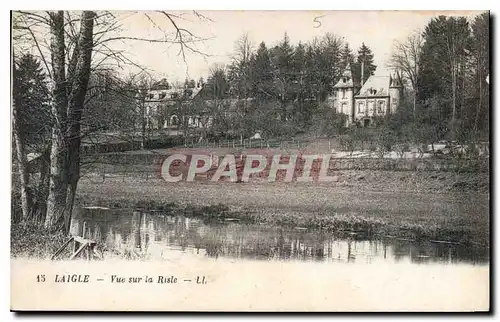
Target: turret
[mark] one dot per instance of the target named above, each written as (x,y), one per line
(395,92)
(344,90)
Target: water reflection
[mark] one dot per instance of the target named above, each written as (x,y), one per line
(135,234)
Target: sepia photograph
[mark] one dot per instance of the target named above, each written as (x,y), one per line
(250,161)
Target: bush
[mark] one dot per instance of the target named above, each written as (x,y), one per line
(385,141)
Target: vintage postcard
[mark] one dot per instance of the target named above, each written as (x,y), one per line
(333,161)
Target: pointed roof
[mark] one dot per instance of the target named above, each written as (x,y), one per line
(346,80)
(396,80)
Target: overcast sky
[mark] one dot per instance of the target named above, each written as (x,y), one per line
(378,29)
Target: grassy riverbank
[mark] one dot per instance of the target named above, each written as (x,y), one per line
(30,240)
(439,206)
(389,204)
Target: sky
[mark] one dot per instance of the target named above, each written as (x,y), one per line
(219,30)
(377,29)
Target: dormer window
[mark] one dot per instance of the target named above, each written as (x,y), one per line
(344,79)
(162,95)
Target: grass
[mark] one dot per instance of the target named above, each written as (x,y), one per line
(451,217)
(30,240)
(439,206)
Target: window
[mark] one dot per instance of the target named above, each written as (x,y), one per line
(343,93)
(344,79)
(361,107)
(174,120)
(381,107)
(343,108)
(174,95)
(151,96)
(371,107)
(162,95)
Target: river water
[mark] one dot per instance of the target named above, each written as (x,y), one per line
(154,236)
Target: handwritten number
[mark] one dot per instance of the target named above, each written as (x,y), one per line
(316,20)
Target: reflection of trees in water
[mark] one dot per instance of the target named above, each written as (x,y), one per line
(148,233)
(422,252)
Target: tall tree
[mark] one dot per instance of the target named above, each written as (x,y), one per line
(281,60)
(331,65)
(443,59)
(19,140)
(347,55)
(217,86)
(34,98)
(406,58)
(73,40)
(481,51)
(31,128)
(365,61)
(239,71)
(262,74)
(56,200)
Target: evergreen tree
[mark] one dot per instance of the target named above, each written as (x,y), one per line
(331,66)
(347,55)
(282,63)
(217,86)
(262,76)
(365,58)
(34,99)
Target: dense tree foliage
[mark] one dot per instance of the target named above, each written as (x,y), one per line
(34,97)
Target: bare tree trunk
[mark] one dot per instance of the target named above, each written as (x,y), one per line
(143,125)
(56,199)
(22,162)
(79,83)
(43,186)
(480,80)
(454,92)
(23,172)
(415,103)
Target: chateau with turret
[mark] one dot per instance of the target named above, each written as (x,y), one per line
(380,95)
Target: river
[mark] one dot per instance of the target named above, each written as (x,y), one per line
(150,235)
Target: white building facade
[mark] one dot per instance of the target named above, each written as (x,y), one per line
(380,95)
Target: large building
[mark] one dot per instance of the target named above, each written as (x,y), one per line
(167,107)
(362,103)
(380,95)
